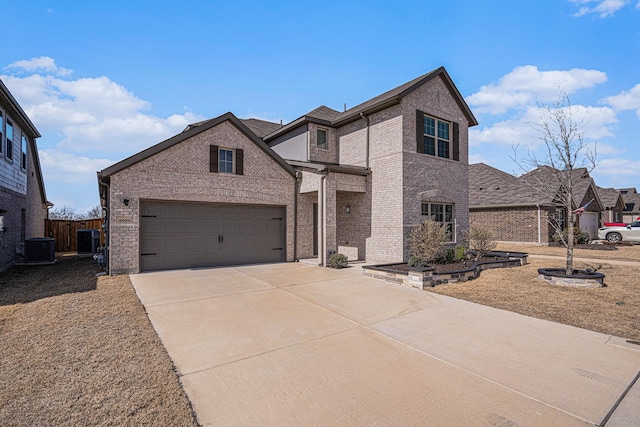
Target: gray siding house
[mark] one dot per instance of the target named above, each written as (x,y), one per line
(23,201)
(232,191)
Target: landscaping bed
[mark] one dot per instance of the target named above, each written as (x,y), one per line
(440,273)
(80,350)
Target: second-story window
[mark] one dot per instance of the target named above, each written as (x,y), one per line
(9,140)
(437,137)
(321,139)
(225,160)
(23,161)
(1,134)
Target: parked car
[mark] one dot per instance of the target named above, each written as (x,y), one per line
(621,233)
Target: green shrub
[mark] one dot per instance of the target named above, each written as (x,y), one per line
(428,240)
(416,261)
(338,261)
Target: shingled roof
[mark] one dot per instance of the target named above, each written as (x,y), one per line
(328,117)
(491,187)
(610,197)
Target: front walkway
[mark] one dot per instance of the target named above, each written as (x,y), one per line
(295,344)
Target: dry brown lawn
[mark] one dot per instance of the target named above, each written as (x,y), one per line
(614,309)
(80,350)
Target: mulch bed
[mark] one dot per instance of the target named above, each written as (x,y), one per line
(446,267)
(80,350)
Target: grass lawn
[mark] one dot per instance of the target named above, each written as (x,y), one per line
(614,309)
(80,350)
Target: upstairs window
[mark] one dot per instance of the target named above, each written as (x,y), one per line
(437,137)
(321,139)
(439,212)
(23,162)
(9,140)
(1,133)
(226,160)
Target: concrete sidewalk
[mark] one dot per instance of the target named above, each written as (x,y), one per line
(294,344)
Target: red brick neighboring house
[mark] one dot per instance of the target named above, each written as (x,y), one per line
(515,211)
(23,201)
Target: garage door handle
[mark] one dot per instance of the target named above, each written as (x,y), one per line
(220,238)
(276,249)
(152,253)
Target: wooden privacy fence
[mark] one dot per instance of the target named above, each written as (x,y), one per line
(65,232)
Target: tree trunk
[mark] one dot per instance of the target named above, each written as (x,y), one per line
(570,239)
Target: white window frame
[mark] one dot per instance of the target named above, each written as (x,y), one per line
(225,161)
(431,215)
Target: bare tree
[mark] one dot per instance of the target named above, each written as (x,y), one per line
(63,212)
(565,153)
(94,213)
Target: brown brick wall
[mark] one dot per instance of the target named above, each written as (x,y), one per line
(515,224)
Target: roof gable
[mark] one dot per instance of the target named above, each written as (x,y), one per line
(191,131)
(394,96)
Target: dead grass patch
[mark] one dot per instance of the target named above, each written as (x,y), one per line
(614,309)
(80,350)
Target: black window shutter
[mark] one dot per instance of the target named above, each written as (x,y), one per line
(456,141)
(213,158)
(239,161)
(420,131)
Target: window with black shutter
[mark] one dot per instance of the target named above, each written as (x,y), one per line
(437,137)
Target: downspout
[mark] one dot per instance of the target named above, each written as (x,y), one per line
(366,161)
(321,221)
(296,187)
(539,227)
(106,223)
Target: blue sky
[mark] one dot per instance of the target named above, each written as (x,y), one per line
(104,80)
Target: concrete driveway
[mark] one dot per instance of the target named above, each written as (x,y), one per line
(295,344)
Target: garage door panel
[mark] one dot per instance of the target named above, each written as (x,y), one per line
(184,235)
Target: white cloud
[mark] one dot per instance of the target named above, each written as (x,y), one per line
(626,100)
(613,168)
(69,168)
(42,63)
(603,8)
(526,85)
(92,113)
(593,122)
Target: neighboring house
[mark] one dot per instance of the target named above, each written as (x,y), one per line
(516,209)
(631,200)
(613,205)
(232,191)
(23,202)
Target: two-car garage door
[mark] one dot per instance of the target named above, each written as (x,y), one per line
(186,235)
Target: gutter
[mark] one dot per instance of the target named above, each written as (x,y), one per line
(539,226)
(296,188)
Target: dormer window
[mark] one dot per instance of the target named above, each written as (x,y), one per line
(321,139)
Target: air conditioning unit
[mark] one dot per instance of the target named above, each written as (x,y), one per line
(88,241)
(40,249)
